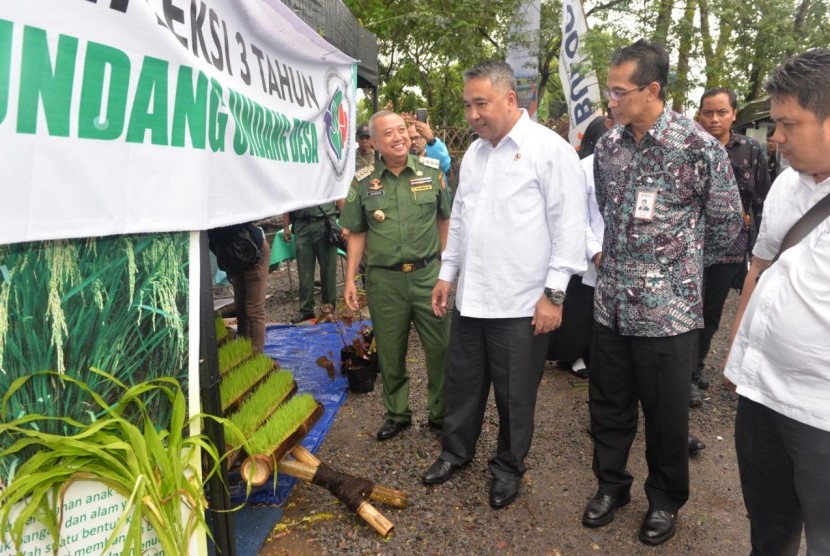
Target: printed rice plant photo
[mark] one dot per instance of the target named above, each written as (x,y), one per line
(117,303)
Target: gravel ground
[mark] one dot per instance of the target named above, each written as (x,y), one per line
(455,518)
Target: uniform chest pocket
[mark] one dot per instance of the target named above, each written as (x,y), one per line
(423,195)
(376,202)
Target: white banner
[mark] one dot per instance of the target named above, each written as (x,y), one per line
(122,116)
(523,53)
(580,87)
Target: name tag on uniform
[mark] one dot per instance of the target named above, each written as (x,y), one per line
(645,201)
(375,193)
(421,188)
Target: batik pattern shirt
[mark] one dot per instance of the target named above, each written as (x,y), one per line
(749,164)
(649,281)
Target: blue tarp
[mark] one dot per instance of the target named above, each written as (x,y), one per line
(297,348)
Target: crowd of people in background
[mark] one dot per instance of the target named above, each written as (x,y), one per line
(640,243)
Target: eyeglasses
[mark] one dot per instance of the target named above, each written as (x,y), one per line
(722,113)
(415,139)
(617,94)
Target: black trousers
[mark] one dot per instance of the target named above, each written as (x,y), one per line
(571,341)
(785,479)
(655,372)
(503,352)
(717,279)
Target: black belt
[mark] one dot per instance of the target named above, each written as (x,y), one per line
(410,267)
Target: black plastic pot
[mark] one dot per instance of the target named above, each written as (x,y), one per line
(360,372)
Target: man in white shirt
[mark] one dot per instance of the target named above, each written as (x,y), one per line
(781,347)
(517,234)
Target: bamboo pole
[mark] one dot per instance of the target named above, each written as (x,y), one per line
(380,493)
(365,510)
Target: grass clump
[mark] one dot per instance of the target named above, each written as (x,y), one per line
(233,353)
(221,330)
(284,422)
(259,406)
(236,383)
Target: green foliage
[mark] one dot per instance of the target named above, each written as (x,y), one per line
(281,424)
(233,353)
(152,464)
(236,382)
(221,330)
(259,406)
(115,302)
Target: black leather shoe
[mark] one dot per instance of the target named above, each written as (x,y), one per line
(302,317)
(600,509)
(695,445)
(437,427)
(503,492)
(439,472)
(658,527)
(390,429)
(696,398)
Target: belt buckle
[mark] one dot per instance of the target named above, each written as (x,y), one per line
(407,267)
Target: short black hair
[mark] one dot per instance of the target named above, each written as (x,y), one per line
(498,72)
(733,99)
(805,77)
(652,63)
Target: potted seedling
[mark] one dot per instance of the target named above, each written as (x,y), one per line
(358,356)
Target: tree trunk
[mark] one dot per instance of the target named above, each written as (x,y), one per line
(661,27)
(684,46)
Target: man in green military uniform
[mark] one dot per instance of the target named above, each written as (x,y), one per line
(310,243)
(398,212)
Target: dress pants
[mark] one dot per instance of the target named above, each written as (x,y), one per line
(503,352)
(249,290)
(311,245)
(656,372)
(785,480)
(717,279)
(571,341)
(395,300)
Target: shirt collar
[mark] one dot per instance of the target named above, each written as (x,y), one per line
(517,133)
(658,129)
(410,163)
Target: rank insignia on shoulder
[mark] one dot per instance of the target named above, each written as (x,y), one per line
(430,162)
(364,172)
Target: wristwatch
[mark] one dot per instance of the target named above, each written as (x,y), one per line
(557,297)
(431,142)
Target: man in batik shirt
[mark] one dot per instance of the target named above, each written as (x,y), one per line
(665,189)
(718,110)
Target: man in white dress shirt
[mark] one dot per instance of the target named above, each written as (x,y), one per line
(517,234)
(779,357)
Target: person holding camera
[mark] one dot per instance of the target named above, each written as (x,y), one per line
(398,212)
(426,144)
(312,244)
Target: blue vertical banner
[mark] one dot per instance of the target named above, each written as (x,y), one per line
(523,53)
(579,85)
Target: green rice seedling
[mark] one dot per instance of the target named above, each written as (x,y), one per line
(242,378)
(260,405)
(282,424)
(233,353)
(154,465)
(221,330)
